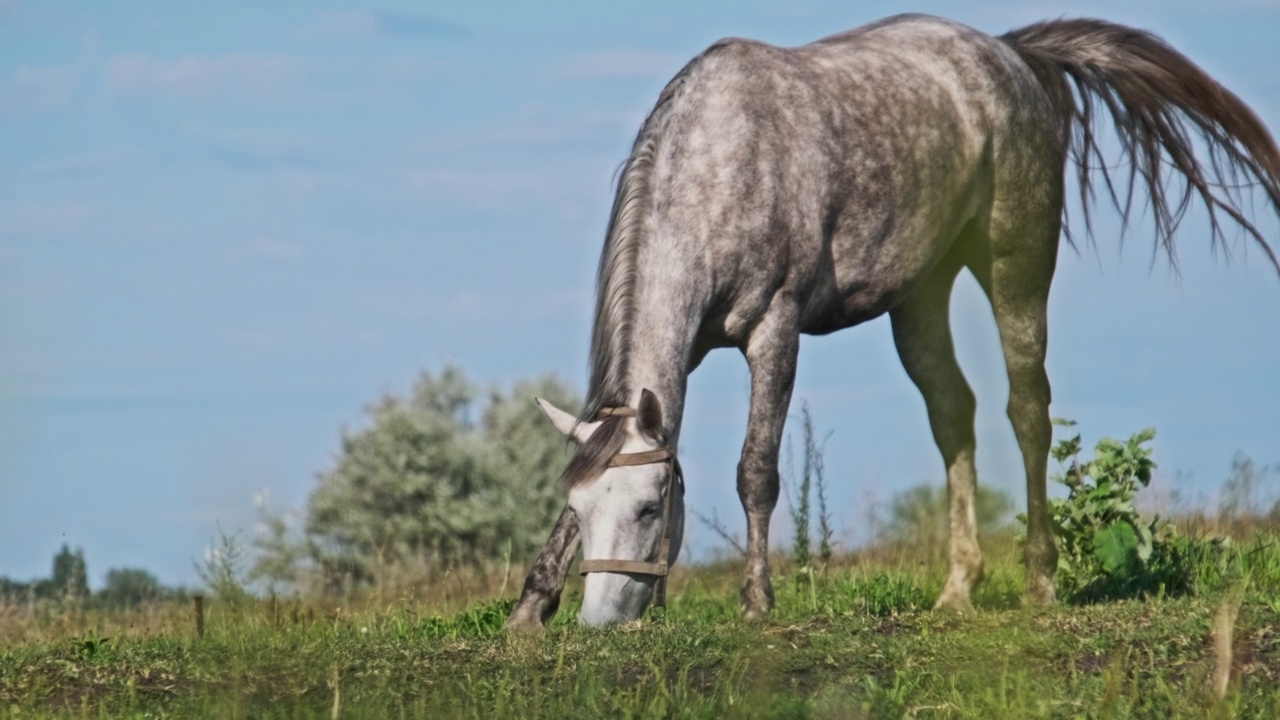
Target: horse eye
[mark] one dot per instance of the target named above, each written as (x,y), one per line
(650,511)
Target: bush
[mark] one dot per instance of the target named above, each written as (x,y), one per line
(434,481)
(1107,550)
(130,587)
(920,516)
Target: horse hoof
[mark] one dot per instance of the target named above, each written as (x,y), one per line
(955,602)
(757,599)
(1040,592)
(523,623)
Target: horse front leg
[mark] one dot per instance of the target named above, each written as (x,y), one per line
(771,355)
(540,597)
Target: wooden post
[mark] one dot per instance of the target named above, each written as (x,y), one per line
(199,605)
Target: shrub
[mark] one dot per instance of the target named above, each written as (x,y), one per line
(1106,548)
(450,476)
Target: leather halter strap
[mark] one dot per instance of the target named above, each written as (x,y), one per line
(658,569)
(648,457)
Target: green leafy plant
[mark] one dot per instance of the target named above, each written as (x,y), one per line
(91,646)
(1106,548)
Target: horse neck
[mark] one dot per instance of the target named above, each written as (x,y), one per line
(668,313)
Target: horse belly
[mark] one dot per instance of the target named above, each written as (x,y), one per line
(913,170)
(877,262)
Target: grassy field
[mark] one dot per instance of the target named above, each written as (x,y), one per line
(859,642)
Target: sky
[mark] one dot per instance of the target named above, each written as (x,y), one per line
(227,227)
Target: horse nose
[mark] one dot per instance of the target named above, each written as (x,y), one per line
(597,612)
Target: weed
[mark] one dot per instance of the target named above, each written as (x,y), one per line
(1106,548)
(801,491)
(224,569)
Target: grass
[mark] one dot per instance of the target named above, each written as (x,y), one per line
(859,642)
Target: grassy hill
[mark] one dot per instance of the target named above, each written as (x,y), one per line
(860,641)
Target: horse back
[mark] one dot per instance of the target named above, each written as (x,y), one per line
(841,171)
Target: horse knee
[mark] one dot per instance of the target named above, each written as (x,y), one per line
(758,485)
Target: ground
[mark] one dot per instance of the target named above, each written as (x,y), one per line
(860,642)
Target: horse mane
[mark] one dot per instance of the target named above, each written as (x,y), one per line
(616,275)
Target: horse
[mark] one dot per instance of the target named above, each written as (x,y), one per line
(778,191)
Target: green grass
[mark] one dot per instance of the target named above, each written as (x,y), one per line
(861,643)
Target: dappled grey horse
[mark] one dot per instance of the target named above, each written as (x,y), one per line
(779,191)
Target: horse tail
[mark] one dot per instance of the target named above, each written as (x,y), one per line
(1160,102)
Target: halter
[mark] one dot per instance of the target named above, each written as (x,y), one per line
(658,569)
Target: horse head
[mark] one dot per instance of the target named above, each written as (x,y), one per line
(625,488)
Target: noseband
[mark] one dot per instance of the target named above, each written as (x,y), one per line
(657,569)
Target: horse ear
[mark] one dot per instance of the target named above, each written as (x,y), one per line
(567,424)
(649,415)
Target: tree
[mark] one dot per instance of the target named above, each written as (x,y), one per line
(435,479)
(1245,492)
(70,578)
(920,515)
(282,556)
(130,587)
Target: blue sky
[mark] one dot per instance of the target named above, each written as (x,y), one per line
(223,230)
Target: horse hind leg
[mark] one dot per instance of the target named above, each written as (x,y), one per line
(1023,236)
(922,333)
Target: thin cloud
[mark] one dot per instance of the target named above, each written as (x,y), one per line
(412,25)
(79,165)
(40,218)
(45,88)
(566,301)
(275,249)
(472,183)
(237,76)
(540,123)
(258,147)
(1265,5)
(469,305)
(618,63)
(39,89)
(262,79)
(363,24)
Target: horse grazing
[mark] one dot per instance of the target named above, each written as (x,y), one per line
(779,191)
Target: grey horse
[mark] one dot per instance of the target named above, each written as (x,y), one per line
(778,191)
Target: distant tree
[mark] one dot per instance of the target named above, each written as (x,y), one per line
(449,476)
(70,578)
(1247,490)
(921,515)
(282,557)
(130,587)
(15,589)
(225,569)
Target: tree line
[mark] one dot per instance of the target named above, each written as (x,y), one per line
(68,582)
